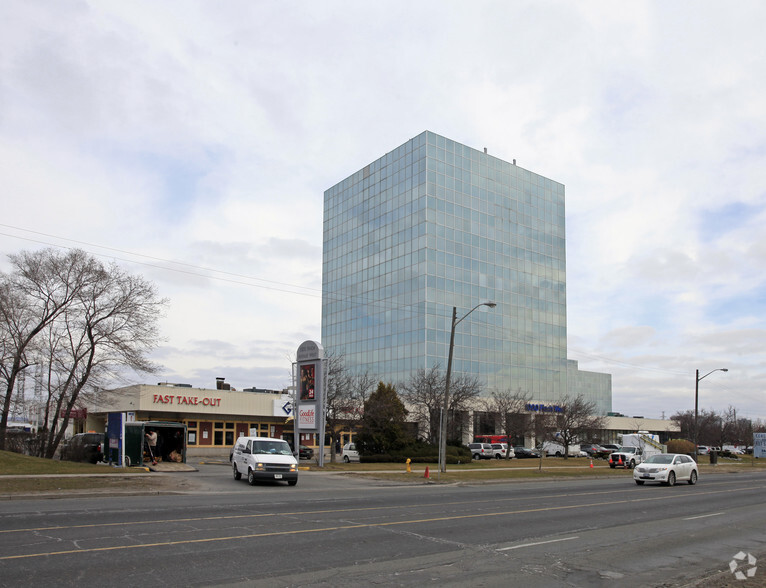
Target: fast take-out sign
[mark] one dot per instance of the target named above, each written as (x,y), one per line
(185,400)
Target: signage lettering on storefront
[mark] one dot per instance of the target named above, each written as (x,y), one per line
(544,408)
(187,400)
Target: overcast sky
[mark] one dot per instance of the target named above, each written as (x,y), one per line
(192,143)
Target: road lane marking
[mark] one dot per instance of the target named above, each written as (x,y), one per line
(299,513)
(327,511)
(712,514)
(363,525)
(536,543)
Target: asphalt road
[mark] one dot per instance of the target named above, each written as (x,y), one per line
(334,530)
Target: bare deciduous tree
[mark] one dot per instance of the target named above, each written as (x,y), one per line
(576,420)
(509,410)
(464,390)
(89,321)
(41,285)
(345,395)
(424,394)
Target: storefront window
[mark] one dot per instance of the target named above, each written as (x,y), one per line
(191,432)
(218,434)
(260,429)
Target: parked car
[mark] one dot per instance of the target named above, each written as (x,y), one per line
(84,447)
(306,452)
(611,447)
(481,450)
(349,453)
(524,452)
(501,450)
(593,450)
(703,449)
(264,458)
(666,468)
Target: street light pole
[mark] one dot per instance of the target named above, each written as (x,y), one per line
(696,405)
(445,408)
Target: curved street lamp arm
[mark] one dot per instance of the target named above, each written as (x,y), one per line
(490,304)
(710,372)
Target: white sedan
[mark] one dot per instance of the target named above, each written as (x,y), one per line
(667,468)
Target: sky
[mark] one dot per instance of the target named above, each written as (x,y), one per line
(192,142)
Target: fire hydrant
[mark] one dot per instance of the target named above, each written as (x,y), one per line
(409,470)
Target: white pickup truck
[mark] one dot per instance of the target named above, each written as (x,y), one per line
(626,457)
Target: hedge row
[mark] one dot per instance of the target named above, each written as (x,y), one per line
(387,458)
(419,453)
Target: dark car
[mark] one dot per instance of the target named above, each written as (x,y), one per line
(306,452)
(524,452)
(595,451)
(84,447)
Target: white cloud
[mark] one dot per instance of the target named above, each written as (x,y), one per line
(207,135)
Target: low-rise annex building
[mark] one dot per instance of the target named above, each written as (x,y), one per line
(483,425)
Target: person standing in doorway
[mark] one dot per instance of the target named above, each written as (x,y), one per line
(151,442)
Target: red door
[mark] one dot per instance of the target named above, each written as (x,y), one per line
(205,434)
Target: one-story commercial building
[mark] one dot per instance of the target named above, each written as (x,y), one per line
(214,418)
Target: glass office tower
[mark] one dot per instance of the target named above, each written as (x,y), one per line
(435,224)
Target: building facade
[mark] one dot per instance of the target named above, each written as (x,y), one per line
(214,418)
(433,225)
(595,387)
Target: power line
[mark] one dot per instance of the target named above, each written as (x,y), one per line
(181,263)
(287,288)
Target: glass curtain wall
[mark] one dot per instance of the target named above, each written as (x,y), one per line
(435,224)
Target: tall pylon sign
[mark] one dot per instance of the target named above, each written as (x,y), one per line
(310,394)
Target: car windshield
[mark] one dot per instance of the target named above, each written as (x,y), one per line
(627,449)
(662,459)
(273,447)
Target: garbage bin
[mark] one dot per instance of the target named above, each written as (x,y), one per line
(714,457)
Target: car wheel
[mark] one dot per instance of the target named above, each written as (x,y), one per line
(693,478)
(558,454)
(237,474)
(292,482)
(671,479)
(476,456)
(640,482)
(251,477)
(498,456)
(127,461)
(632,464)
(346,459)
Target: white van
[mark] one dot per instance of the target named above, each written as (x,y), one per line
(350,452)
(264,458)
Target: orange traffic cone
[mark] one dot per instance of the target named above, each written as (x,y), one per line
(591,463)
(620,463)
(426,474)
